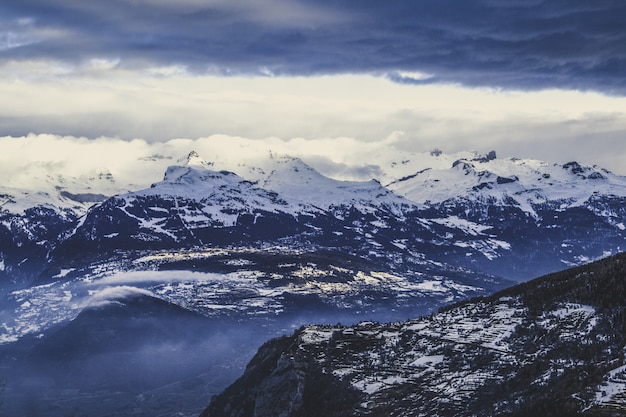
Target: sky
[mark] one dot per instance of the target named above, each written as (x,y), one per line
(537,79)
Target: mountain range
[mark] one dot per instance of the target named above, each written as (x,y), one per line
(261,247)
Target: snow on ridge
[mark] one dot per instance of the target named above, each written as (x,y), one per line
(296,180)
(284,184)
(528,182)
(51,188)
(409,178)
(17,201)
(193,159)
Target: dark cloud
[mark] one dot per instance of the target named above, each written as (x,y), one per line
(528,44)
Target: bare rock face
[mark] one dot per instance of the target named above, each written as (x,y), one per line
(283,381)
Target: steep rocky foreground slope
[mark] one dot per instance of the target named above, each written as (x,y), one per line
(552,346)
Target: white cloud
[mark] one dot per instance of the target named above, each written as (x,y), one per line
(112,294)
(102,64)
(342,122)
(143,277)
(28,162)
(12,40)
(17,33)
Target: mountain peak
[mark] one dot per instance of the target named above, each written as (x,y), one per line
(193,159)
(186,165)
(584,171)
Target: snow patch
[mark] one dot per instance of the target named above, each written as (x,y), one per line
(468,227)
(64,273)
(427,361)
(315,335)
(614,384)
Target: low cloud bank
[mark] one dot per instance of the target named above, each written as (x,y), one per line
(113,165)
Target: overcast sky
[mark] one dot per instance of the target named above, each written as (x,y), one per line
(529,78)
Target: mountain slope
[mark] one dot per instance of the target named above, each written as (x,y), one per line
(297,181)
(524,182)
(194,206)
(552,346)
(124,352)
(255,251)
(552,216)
(36,207)
(30,225)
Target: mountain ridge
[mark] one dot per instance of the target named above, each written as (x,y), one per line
(532,349)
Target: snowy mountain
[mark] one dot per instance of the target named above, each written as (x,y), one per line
(551,215)
(37,206)
(355,246)
(341,248)
(523,182)
(505,211)
(532,187)
(272,244)
(195,206)
(552,346)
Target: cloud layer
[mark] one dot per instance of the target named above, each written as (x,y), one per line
(528,78)
(32,161)
(530,44)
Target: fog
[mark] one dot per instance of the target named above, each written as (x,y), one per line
(137,353)
(137,277)
(127,351)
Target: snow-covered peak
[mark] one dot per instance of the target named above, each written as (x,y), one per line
(585,171)
(193,181)
(390,166)
(193,169)
(526,181)
(200,197)
(419,177)
(285,185)
(293,179)
(193,159)
(291,171)
(49,188)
